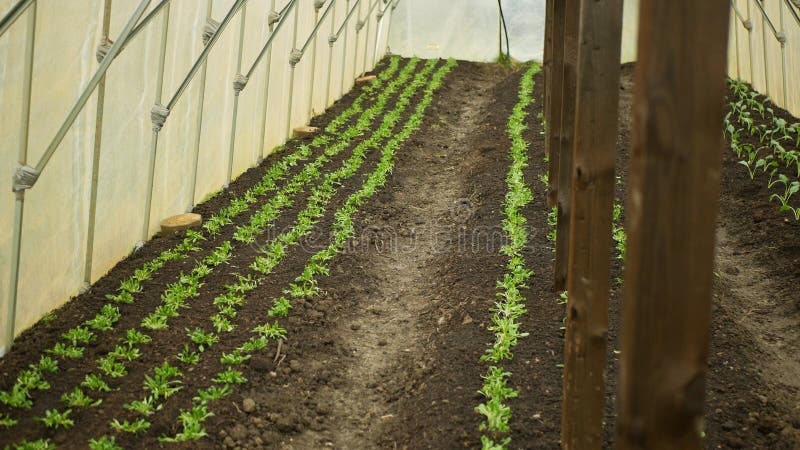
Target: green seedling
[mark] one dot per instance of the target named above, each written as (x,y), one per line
(201,338)
(122,297)
(497,416)
(163,383)
(205,396)
(47,364)
(145,407)
(488,444)
(222,323)
(31,378)
(55,419)
(131,285)
(66,350)
(111,367)
(125,352)
(104,443)
(255,344)
(95,382)
(39,444)
(236,357)
(188,356)
(230,376)
(270,331)
(77,398)
(7,421)
(135,427)
(155,322)
(49,317)
(79,335)
(17,397)
(280,307)
(135,337)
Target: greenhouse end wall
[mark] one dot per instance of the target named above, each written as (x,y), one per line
(54,232)
(470,29)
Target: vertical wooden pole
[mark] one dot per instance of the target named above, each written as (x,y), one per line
(672,210)
(589,268)
(554,87)
(566,142)
(547,59)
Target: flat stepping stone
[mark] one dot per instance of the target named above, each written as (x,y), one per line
(366,79)
(181,222)
(305,131)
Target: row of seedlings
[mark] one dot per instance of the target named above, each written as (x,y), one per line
(765,143)
(510,305)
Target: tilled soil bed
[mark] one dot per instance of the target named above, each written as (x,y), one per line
(388,355)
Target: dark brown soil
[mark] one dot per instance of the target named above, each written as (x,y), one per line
(388,356)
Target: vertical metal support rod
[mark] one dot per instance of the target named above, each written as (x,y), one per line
(236,92)
(313,65)
(154,139)
(782,40)
(389,26)
(19,201)
(291,75)
(366,41)
(98,136)
(750,44)
(199,126)
(262,134)
(764,53)
(735,23)
(344,52)
(330,58)
(358,42)
(378,27)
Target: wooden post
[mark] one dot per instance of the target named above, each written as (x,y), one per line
(547,58)
(672,210)
(589,268)
(566,142)
(554,88)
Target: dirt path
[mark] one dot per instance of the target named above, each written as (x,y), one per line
(754,391)
(412,225)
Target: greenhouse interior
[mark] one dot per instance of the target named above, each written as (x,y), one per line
(400,224)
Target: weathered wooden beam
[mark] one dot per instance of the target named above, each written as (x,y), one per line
(547,58)
(566,141)
(555,91)
(672,210)
(589,268)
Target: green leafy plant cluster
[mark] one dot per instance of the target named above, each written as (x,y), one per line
(30,379)
(39,444)
(56,419)
(104,443)
(777,148)
(343,230)
(510,305)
